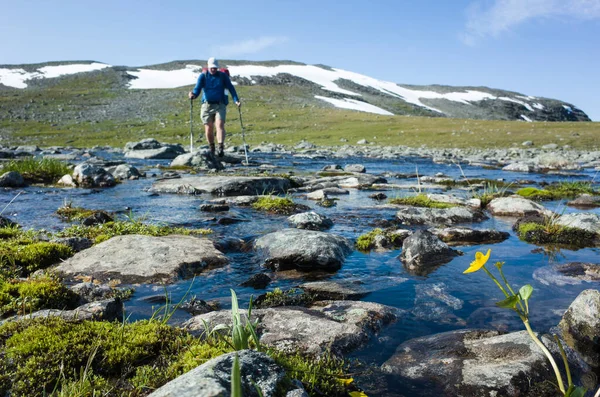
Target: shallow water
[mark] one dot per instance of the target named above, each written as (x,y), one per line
(354,215)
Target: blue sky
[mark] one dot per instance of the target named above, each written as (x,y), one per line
(548,48)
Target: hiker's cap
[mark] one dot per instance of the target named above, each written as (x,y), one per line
(213,63)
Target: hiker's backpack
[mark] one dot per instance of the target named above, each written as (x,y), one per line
(222,73)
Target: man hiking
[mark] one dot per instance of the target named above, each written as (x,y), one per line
(214,102)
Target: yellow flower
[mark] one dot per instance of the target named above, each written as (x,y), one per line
(479,261)
(346,382)
(357,394)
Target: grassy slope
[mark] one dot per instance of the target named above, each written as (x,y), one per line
(279,114)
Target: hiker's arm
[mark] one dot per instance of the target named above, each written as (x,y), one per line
(232,90)
(199,85)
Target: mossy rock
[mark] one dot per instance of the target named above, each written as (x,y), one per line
(277,205)
(368,241)
(420,200)
(19,297)
(544,234)
(22,257)
(279,297)
(536,194)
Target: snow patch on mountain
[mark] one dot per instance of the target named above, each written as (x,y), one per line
(17,77)
(353,104)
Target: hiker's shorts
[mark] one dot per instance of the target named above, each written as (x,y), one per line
(210,111)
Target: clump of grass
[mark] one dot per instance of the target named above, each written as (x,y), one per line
(70,213)
(105,231)
(563,235)
(366,242)
(490,191)
(279,297)
(46,171)
(27,296)
(420,200)
(569,189)
(274,204)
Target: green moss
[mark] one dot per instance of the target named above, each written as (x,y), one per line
(420,200)
(274,204)
(132,357)
(27,296)
(536,194)
(107,230)
(333,173)
(9,232)
(20,257)
(322,377)
(366,242)
(555,234)
(34,170)
(570,189)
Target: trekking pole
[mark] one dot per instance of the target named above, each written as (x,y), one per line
(243,136)
(191,125)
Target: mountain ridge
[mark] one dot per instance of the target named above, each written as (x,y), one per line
(331,87)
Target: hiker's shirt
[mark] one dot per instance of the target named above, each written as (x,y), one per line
(213,87)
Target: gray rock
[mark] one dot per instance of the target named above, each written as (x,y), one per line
(355,168)
(106,310)
(467,236)
(332,167)
(76,243)
(554,161)
(67,180)
(550,146)
(580,326)
(422,253)
(4,222)
(144,144)
(202,159)
(124,171)
(582,220)
(136,258)
(408,215)
(568,274)
(223,186)
(585,201)
(32,149)
(433,303)
(445,198)
(472,363)
(257,281)
(165,152)
(213,378)
(516,206)
(350,288)
(90,292)
(303,249)
(336,326)
(527,143)
(311,221)
(214,207)
(519,167)
(12,179)
(88,175)
(362,142)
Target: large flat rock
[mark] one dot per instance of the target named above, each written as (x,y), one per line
(222,185)
(137,258)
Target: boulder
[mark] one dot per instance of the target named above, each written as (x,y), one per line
(422,253)
(467,236)
(89,175)
(162,153)
(144,144)
(213,378)
(76,243)
(330,326)
(137,258)
(568,274)
(66,180)
(125,171)
(12,179)
(4,222)
(519,167)
(303,249)
(471,363)
(581,220)
(445,198)
(580,326)
(585,201)
(516,206)
(310,221)
(202,159)
(409,215)
(355,168)
(223,185)
(257,281)
(90,292)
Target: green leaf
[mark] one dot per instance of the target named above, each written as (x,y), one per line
(509,303)
(526,291)
(577,392)
(236,378)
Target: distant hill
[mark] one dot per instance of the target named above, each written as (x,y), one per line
(312,85)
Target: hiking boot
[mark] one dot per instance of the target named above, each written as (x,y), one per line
(221,152)
(212,148)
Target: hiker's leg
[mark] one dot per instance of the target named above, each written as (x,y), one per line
(208,132)
(220,131)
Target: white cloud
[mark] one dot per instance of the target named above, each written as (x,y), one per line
(251,46)
(498,16)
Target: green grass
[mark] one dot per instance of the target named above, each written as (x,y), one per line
(536,194)
(21,256)
(38,170)
(557,191)
(293,121)
(105,231)
(420,200)
(69,213)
